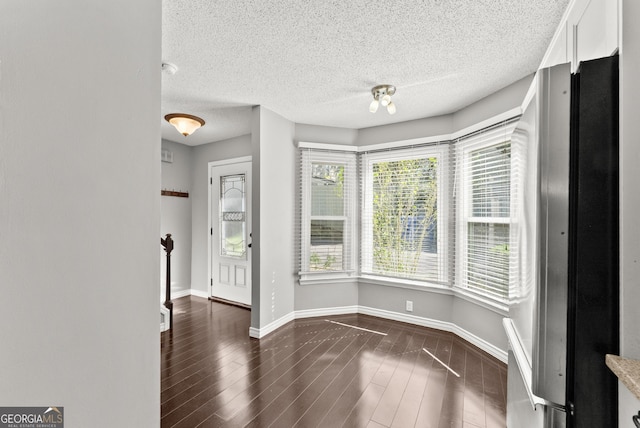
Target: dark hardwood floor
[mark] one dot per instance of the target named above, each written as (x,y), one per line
(319,372)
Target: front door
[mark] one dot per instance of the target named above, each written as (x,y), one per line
(230,244)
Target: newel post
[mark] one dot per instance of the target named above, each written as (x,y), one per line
(167,243)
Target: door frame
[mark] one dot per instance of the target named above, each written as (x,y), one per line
(210,224)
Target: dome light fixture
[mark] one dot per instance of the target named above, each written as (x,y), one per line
(186,124)
(382,95)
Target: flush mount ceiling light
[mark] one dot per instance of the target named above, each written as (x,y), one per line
(382,95)
(186,124)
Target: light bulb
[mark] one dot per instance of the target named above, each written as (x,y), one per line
(391,107)
(385,100)
(373,107)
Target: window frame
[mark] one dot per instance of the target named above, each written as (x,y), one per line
(348,160)
(491,131)
(441,153)
(464,207)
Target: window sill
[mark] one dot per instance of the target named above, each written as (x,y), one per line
(320,278)
(405,283)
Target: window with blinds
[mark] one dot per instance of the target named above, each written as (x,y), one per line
(404,210)
(327,211)
(442,213)
(485,238)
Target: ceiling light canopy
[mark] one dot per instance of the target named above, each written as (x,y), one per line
(186,124)
(382,95)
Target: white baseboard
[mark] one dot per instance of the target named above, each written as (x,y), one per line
(165,324)
(259,333)
(180,293)
(325,312)
(199,293)
(186,292)
(409,319)
(438,325)
(381,313)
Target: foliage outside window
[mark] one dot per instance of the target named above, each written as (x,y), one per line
(401,215)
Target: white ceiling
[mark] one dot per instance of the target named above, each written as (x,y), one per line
(315,61)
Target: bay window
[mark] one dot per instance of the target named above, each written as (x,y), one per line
(434,214)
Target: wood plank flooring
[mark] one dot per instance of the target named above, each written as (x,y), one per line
(322,372)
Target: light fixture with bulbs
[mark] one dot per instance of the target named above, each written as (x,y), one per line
(382,95)
(186,124)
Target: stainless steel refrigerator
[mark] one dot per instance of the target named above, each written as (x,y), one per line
(564,311)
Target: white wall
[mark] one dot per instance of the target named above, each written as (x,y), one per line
(175,218)
(80,209)
(274,199)
(201,156)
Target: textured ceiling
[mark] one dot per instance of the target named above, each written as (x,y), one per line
(315,61)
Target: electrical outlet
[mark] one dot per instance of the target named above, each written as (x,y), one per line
(409,306)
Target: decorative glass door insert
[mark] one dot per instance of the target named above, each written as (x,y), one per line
(233,229)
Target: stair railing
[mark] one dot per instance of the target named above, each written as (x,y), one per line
(167,243)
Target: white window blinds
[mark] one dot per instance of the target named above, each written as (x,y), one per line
(442,213)
(328,189)
(485,239)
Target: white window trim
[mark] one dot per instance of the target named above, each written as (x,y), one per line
(350,236)
(462,209)
(441,152)
(452,287)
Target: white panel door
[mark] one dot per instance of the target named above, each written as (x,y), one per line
(230,231)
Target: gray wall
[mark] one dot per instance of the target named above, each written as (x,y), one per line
(630,181)
(175,217)
(492,105)
(630,198)
(430,126)
(318,296)
(325,134)
(336,295)
(486,108)
(80,209)
(200,158)
(276,289)
(274,199)
(483,322)
(428,305)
